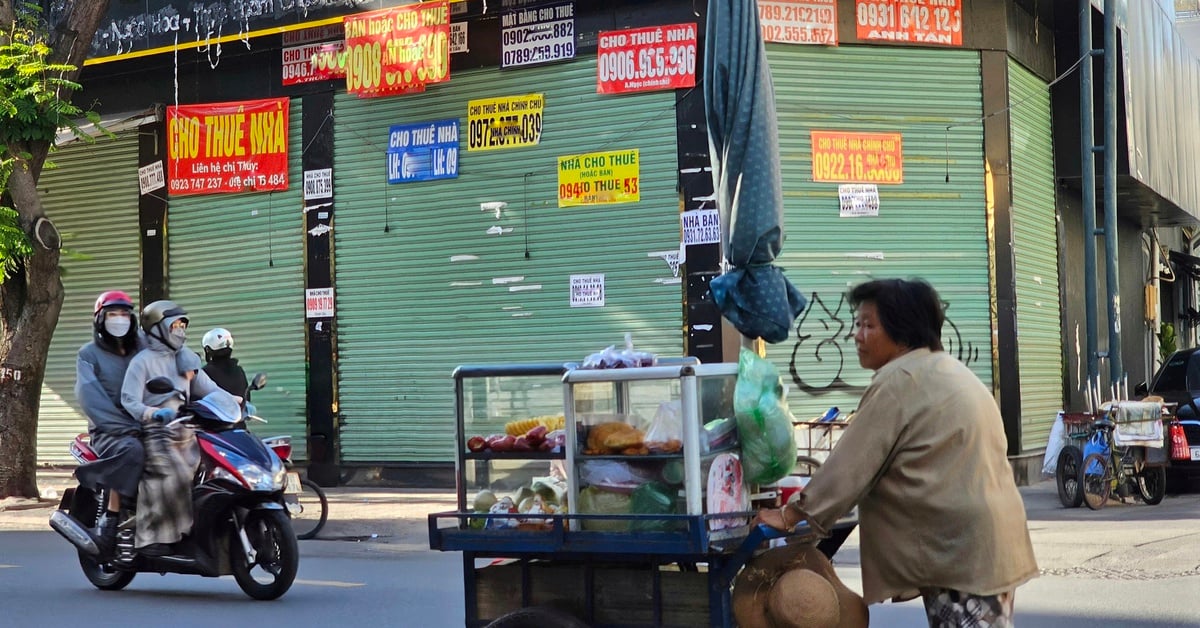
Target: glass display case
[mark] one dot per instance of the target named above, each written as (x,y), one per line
(499,452)
(652,440)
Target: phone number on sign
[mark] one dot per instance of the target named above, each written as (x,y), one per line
(789,13)
(793,34)
(921,18)
(648,63)
(585,190)
(514,130)
(221,183)
(539,53)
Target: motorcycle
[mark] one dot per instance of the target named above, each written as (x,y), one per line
(241,524)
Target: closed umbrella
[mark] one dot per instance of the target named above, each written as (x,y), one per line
(739,101)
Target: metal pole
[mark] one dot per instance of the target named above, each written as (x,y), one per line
(1116,369)
(1088,172)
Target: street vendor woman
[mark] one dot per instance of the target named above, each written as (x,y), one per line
(925,462)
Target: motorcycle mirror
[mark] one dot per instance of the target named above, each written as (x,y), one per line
(1140,390)
(259,380)
(160,386)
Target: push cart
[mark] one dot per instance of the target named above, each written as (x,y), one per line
(1117,449)
(645,533)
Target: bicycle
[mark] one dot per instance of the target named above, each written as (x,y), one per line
(306,502)
(1119,469)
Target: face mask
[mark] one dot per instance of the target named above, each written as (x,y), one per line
(179,334)
(117,326)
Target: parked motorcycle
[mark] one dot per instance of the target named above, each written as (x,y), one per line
(241,524)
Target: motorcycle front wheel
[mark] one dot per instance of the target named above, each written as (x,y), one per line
(102,575)
(277,555)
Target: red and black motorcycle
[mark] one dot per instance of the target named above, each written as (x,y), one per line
(241,524)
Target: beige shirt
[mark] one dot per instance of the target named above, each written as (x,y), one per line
(925,461)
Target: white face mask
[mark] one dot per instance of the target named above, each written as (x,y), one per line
(117,326)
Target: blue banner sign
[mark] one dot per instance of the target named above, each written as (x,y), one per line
(423,151)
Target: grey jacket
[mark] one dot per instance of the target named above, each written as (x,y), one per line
(159,360)
(99,377)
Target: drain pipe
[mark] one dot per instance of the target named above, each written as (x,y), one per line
(1116,368)
(1088,173)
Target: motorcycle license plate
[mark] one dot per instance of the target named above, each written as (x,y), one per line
(293,483)
(1195,453)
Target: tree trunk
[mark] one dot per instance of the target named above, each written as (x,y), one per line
(30,302)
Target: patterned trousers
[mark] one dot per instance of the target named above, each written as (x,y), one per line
(947,608)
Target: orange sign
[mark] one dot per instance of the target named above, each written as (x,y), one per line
(845,157)
(916,21)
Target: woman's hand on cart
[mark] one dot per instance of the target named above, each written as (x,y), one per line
(783,519)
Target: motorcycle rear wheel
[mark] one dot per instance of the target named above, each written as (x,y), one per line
(274,568)
(102,575)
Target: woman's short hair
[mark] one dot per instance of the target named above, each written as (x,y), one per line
(909,310)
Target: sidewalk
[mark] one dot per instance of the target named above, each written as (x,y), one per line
(1123,541)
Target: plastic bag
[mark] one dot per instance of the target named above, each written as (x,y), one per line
(593,501)
(1097,444)
(764,423)
(612,358)
(1058,439)
(653,498)
(615,474)
(666,430)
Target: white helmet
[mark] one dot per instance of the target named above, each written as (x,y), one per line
(218,338)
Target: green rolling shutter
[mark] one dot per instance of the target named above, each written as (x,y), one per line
(934,225)
(422,287)
(1035,253)
(237,261)
(92,197)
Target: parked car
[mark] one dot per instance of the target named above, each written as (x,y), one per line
(1178,381)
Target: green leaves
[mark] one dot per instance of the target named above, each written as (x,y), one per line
(34,93)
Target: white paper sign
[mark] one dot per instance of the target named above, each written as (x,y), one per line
(537,35)
(587,290)
(858,199)
(318,303)
(458,38)
(318,184)
(151,177)
(701,226)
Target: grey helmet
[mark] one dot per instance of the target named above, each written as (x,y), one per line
(157,318)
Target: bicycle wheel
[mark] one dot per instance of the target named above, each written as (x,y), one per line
(1095,480)
(309,509)
(1152,484)
(1067,476)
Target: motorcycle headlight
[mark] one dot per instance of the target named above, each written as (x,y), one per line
(257,477)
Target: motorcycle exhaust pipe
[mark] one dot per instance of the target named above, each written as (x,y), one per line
(75,532)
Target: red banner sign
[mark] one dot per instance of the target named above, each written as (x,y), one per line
(917,21)
(228,147)
(393,50)
(846,157)
(646,59)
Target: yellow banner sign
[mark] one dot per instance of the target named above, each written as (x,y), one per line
(505,122)
(599,178)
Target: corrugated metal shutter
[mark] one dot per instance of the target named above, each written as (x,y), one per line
(237,261)
(92,196)
(934,225)
(1035,246)
(408,314)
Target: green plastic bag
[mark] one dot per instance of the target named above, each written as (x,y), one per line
(764,423)
(652,498)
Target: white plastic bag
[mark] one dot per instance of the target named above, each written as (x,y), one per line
(1058,440)
(667,425)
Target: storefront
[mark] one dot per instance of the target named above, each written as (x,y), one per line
(91,194)
(237,261)
(925,217)
(486,266)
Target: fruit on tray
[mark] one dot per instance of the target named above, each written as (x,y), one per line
(522,426)
(538,438)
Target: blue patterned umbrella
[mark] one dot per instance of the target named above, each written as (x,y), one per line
(739,101)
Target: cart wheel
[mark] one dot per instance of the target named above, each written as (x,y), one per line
(1067,474)
(537,617)
(1095,480)
(1152,485)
